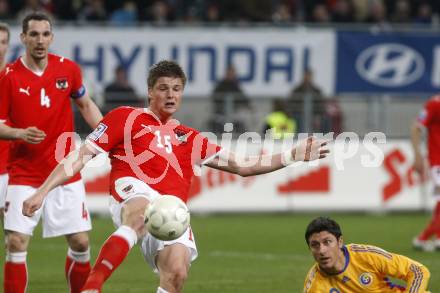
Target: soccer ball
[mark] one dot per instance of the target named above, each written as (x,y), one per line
(167,217)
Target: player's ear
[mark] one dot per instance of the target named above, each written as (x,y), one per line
(341,241)
(22,36)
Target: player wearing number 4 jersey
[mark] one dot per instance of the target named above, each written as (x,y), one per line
(4,145)
(152,154)
(37,90)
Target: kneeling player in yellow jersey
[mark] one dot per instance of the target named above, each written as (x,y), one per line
(357,268)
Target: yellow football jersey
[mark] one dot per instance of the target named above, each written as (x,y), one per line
(367,269)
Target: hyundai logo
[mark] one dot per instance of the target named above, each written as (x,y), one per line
(390,65)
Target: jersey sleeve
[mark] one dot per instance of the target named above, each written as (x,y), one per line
(423,117)
(430,111)
(5,97)
(310,281)
(78,89)
(415,275)
(109,131)
(204,150)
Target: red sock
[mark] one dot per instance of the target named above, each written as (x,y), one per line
(112,253)
(76,274)
(433,227)
(15,277)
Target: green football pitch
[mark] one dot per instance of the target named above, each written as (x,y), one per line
(237,253)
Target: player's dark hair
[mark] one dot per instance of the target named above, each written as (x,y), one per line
(38,16)
(165,68)
(5,28)
(323,224)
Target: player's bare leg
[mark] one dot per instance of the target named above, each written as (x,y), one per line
(433,227)
(116,247)
(2,215)
(77,267)
(173,264)
(15,268)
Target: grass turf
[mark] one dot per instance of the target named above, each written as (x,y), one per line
(237,253)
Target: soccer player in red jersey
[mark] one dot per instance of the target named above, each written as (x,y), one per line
(36,95)
(4,145)
(429,119)
(152,154)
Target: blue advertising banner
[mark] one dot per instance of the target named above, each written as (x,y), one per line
(387,62)
(269,62)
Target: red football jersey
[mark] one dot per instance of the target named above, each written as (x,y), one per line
(161,155)
(28,99)
(430,118)
(4,148)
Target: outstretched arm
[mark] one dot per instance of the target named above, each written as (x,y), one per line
(416,139)
(306,150)
(65,170)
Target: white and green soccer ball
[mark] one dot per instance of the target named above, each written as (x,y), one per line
(167,217)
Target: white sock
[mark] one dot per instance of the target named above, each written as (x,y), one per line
(160,290)
(78,256)
(128,234)
(17,257)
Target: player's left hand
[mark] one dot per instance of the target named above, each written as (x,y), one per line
(32,204)
(310,149)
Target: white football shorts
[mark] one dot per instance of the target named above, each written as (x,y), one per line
(151,246)
(130,187)
(3,189)
(64,210)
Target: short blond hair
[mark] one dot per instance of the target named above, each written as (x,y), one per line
(165,68)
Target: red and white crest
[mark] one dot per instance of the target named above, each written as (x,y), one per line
(61,83)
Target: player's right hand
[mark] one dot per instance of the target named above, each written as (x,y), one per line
(32,204)
(31,135)
(310,149)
